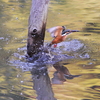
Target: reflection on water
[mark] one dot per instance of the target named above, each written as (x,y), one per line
(81,15)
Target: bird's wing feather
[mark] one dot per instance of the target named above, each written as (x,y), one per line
(53,30)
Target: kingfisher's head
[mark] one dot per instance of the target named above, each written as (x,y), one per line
(68,31)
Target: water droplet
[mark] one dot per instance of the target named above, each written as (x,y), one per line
(12,87)
(90,63)
(1,38)
(18,75)
(44,73)
(21,81)
(21,93)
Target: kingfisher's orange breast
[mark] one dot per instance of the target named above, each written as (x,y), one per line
(59,39)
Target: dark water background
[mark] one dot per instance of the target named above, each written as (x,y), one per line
(15,80)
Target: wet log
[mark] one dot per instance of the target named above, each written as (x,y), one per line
(36,33)
(36,27)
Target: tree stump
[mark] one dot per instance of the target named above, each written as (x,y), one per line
(36,33)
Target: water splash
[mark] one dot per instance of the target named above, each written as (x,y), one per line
(65,50)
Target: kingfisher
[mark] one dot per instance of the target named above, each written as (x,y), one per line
(59,33)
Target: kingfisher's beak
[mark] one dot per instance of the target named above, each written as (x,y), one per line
(69,31)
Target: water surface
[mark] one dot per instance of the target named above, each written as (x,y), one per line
(15,82)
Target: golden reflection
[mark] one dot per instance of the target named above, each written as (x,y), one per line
(83,15)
